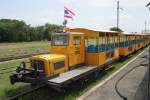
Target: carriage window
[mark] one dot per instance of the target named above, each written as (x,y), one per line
(116,39)
(101,40)
(111,39)
(122,39)
(91,41)
(60,40)
(59,65)
(107,39)
(77,40)
(126,38)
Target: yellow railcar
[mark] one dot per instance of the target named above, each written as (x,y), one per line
(78,54)
(43,63)
(101,46)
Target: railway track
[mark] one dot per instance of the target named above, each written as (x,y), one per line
(25,92)
(19,57)
(7,70)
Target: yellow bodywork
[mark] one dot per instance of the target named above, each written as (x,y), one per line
(49,61)
(98,58)
(73,54)
(95,58)
(123,51)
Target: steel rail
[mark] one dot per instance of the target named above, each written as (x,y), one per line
(19,57)
(25,92)
(5,72)
(2,69)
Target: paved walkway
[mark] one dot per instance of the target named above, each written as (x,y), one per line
(133,86)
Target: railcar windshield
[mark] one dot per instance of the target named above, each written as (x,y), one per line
(60,40)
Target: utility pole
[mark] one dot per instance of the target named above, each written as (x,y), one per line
(118,8)
(145,26)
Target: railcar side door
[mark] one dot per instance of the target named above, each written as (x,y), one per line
(78,49)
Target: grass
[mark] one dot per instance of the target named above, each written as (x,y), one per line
(5,86)
(8,50)
(46,94)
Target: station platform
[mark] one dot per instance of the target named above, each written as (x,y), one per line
(134,85)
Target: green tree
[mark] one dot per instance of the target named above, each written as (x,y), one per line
(51,28)
(12,30)
(18,31)
(116,29)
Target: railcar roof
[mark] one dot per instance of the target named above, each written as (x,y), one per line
(99,31)
(108,32)
(66,33)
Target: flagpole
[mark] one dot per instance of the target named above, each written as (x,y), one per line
(64,25)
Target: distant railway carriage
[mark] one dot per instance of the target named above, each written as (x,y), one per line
(100,47)
(78,54)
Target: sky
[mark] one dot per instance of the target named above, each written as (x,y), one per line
(92,14)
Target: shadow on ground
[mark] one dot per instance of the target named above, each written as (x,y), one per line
(141,93)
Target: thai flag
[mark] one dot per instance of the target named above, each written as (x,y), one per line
(68,14)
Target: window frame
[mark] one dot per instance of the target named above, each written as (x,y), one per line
(52,40)
(75,42)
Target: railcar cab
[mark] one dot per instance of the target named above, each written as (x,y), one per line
(70,44)
(67,51)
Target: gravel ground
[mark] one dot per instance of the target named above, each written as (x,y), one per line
(133,85)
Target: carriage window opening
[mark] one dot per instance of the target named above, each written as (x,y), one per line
(86,44)
(107,39)
(77,40)
(126,38)
(116,39)
(111,39)
(60,40)
(101,40)
(121,39)
(91,42)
